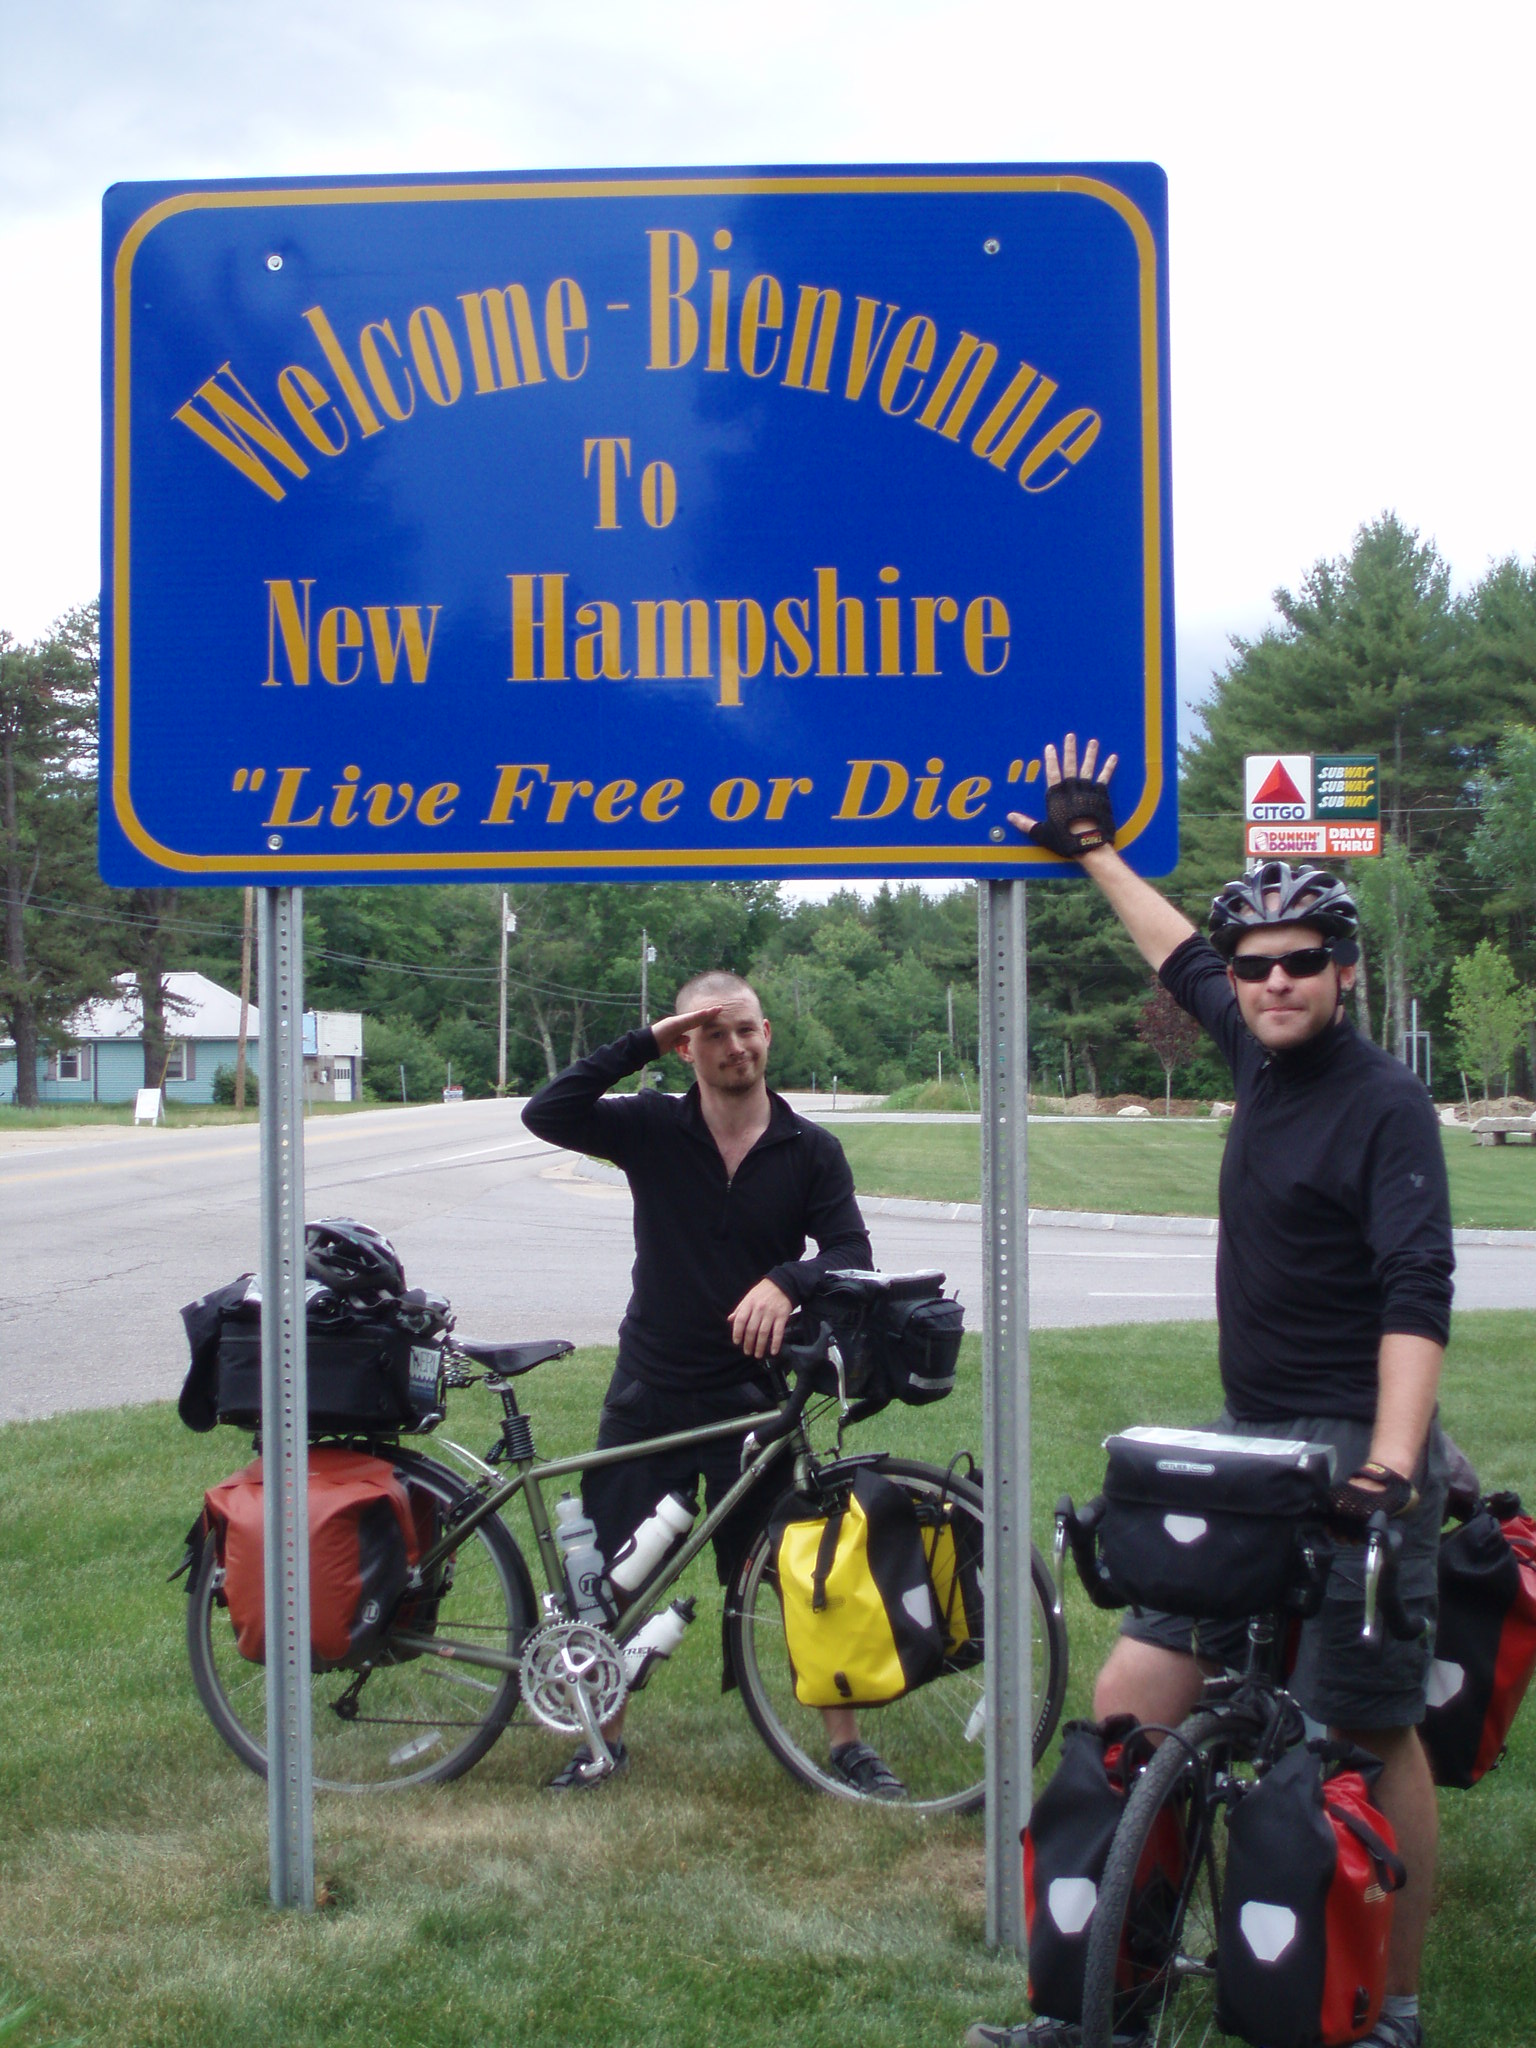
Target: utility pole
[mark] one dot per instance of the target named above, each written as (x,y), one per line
(647,955)
(508,924)
(951,1003)
(245,994)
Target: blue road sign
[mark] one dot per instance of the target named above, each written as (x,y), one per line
(656,525)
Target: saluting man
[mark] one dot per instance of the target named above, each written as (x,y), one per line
(728,1185)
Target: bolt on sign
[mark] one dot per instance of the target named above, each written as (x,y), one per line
(631,525)
(1301,806)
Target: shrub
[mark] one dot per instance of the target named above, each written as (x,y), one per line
(224,1086)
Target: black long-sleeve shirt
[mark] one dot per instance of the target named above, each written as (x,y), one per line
(1335,1211)
(703,1239)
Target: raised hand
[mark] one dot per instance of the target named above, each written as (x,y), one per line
(1079,817)
(671,1029)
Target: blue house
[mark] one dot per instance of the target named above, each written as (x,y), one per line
(102,1057)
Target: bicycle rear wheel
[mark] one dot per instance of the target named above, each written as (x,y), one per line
(1150,1971)
(933,1737)
(409,1718)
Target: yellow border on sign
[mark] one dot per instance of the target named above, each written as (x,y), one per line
(969,858)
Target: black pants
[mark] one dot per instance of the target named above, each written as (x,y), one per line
(619,1497)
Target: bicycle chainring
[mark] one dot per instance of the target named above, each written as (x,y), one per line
(565,1658)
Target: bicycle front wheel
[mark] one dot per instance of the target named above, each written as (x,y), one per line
(410,1717)
(932,1738)
(1151,1964)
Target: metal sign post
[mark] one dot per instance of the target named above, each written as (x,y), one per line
(1002,961)
(284,1402)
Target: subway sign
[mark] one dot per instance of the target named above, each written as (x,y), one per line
(654,525)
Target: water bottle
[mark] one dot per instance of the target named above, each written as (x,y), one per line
(658,1639)
(660,1533)
(583,1560)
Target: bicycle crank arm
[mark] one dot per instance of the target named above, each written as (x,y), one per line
(601,1764)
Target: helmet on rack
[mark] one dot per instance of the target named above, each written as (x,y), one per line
(352,1258)
(1277,893)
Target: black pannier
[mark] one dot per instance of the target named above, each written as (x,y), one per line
(900,1340)
(373,1369)
(1206,1524)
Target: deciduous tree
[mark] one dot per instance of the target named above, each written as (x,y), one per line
(1489,1011)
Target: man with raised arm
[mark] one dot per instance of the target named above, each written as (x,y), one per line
(1333,1297)
(728,1184)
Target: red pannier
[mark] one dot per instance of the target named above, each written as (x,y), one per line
(364,1539)
(1485,1644)
(1306,1914)
(1066,1846)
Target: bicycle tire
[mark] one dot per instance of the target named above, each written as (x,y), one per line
(1150,1970)
(932,1737)
(420,1720)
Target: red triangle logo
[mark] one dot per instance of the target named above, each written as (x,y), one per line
(1278,788)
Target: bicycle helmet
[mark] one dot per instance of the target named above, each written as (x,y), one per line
(352,1258)
(1277,893)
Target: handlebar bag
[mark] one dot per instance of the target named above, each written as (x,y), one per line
(860,1619)
(1301,1949)
(1066,1846)
(364,1538)
(371,1369)
(899,1344)
(1207,1524)
(1485,1643)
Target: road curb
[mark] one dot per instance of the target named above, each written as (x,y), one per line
(1073,1219)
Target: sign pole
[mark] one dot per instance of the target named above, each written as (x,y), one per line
(1003,986)
(285,1403)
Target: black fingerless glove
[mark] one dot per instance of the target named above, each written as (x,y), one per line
(1072,799)
(1350,1506)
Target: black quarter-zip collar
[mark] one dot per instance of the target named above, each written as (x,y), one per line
(783,1125)
(1314,1055)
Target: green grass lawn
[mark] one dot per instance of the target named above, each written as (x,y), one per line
(704,1899)
(1148,1168)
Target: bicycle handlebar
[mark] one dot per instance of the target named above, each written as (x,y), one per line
(802,1360)
(1383,1602)
(1080,1533)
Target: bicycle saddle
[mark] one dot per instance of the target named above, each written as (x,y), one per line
(506,1361)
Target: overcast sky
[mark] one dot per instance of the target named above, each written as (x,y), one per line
(1349,201)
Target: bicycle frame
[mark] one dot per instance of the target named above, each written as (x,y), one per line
(528,1477)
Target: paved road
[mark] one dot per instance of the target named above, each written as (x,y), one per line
(105,1231)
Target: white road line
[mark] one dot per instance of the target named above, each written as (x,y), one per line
(507,1146)
(1147,1294)
(1163,1258)
(344,1179)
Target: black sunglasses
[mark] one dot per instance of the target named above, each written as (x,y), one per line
(1298,966)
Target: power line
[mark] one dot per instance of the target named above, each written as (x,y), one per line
(182,926)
